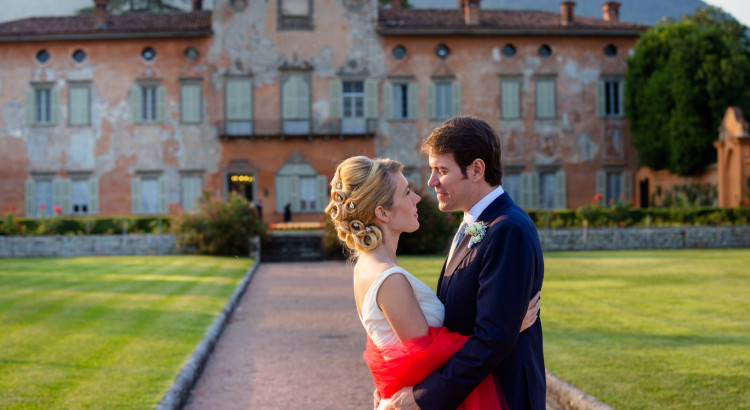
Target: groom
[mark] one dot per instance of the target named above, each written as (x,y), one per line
(485,287)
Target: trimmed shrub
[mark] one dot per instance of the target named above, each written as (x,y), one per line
(219,227)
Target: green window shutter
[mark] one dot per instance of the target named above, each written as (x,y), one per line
(190,103)
(135,97)
(430,101)
(387,101)
(135,195)
(54,106)
(371,99)
(621,95)
(67,196)
(334,97)
(560,190)
(185,191)
(510,93)
(161,104)
(197,188)
(93,196)
(163,191)
(601,102)
(57,192)
(289,99)
(239,99)
(534,190)
(413,101)
(294,194)
(627,185)
(545,99)
(321,194)
(282,192)
(30,107)
(456,98)
(601,186)
(303,99)
(79,103)
(30,198)
(525,188)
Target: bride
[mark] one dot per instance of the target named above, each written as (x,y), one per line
(371,205)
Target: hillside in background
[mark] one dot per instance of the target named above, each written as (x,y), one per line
(636,11)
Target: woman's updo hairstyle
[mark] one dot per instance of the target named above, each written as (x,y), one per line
(360,185)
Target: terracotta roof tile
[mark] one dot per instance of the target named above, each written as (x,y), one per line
(490,20)
(181,22)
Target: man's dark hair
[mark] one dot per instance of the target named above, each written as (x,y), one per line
(468,138)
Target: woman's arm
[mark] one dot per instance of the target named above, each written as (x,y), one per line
(397,301)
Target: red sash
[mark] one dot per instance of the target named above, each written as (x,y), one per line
(396,366)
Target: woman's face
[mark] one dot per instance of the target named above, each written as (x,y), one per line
(403,213)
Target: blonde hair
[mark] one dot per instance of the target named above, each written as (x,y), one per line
(360,185)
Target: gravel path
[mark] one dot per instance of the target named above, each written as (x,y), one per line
(294,342)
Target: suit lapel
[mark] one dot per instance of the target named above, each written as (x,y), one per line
(488,216)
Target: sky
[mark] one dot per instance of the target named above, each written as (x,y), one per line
(16,9)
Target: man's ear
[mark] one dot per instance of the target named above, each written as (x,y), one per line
(381,214)
(475,170)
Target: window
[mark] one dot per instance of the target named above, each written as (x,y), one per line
(148,53)
(354,102)
(610,50)
(42,56)
(298,184)
(510,98)
(79,55)
(77,195)
(610,97)
(546,98)
(400,100)
(442,51)
(443,99)
(614,186)
(79,104)
(295,15)
(42,105)
(191,190)
(148,102)
(190,102)
(512,185)
(398,52)
(545,51)
(545,190)
(295,104)
(509,50)
(238,94)
(148,194)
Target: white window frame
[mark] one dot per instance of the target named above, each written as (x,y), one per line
(42,104)
(610,97)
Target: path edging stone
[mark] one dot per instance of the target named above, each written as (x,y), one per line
(570,397)
(179,391)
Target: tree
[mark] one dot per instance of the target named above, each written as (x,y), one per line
(680,80)
(140,6)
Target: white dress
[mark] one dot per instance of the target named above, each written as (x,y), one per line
(374,321)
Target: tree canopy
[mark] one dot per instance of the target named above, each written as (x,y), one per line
(680,80)
(140,6)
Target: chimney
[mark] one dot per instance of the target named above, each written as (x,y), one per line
(611,11)
(197,5)
(566,12)
(471,9)
(100,13)
(396,4)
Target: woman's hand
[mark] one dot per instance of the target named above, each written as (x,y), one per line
(532,313)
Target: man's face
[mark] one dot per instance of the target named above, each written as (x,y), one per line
(450,184)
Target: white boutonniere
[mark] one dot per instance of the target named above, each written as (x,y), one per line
(477,231)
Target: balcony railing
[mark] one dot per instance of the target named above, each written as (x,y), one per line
(267,129)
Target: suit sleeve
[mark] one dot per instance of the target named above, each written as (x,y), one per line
(505,286)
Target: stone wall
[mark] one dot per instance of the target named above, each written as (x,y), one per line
(551,239)
(645,238)
(86,245)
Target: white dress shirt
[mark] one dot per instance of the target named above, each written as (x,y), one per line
(476,210)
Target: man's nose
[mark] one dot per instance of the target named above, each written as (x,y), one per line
(433,181)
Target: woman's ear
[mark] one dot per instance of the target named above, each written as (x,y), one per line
(381,214)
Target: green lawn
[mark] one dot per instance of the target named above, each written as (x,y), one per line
(104,332)
(645,329)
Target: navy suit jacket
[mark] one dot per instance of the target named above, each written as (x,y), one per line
(486,292)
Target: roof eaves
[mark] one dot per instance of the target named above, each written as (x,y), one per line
(474,31)
(105,36)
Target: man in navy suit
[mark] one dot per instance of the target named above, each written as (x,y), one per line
(485,286)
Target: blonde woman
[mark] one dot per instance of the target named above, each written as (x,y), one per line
(371,205)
